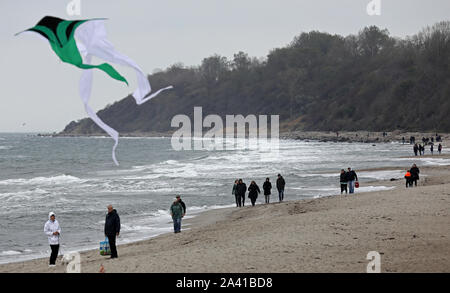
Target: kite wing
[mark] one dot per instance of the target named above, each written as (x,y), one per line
(75,42)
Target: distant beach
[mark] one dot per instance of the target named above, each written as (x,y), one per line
(409,227)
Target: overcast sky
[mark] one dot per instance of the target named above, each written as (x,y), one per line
(40,93)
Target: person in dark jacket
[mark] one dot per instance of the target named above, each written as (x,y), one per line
(440,148)
(280,187)
(112,229)
(415,149)
(236,195)
(176,211)
(253,192)
(241,189)
(351,179)
(414,175)
(267,186)
(343,181)
(183,205)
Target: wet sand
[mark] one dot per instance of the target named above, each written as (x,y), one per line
(410,228)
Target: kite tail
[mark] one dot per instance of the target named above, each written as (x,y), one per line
(108,69)
(154,95)
(85,93)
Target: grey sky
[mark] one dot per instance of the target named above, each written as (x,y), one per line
(39,90)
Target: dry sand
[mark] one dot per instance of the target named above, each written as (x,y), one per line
(410,228)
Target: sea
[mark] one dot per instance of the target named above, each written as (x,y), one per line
(76,178)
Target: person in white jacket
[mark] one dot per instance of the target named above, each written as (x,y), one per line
(53,231)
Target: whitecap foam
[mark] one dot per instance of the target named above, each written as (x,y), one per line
(11,252)
(54,180)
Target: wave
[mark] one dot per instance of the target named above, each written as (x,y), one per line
(54,180)
(5,147)
(21,195)
(10,252)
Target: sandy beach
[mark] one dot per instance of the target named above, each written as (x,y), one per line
(410,228)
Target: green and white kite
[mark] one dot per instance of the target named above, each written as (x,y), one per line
(75,42)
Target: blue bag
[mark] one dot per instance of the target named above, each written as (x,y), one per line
(104,247)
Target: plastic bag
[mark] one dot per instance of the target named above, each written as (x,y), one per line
(104,247)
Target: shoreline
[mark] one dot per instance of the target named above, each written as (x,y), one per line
(226,219)
(362,136)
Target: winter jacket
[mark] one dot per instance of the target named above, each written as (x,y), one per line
(176,209)
(280,183)
(234,189)
(351,176)
(414,173)
(112,223)
(241,189)
(267,186)
(183,205)
(49,228)
(343,178)
(253,191)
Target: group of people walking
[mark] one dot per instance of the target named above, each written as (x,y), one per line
(412,176)
(420,149)
(348,180)
(240,189)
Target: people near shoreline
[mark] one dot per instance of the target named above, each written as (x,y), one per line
(280,187)
(112,229)
(414,171)
(440,148)
(408,179)
(416,149)
(241,189)
(432,148)
(422,148)
(176,212)
(236,195)
(351,179)
(253,191)
(53,232)
(267,186)
(343,181)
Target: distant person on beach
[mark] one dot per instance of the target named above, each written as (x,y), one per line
(343,181)
(408,179)
(414,174)
(432,148)
(176,211)
(422,149)
(236,195)
(280,187)
(112,229)
(267,186)
(241,189)
(351,179)
(253,191)
(183,205)
(416,149)
(53,231)
(440,148)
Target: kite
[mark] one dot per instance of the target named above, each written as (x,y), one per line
(76,42)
